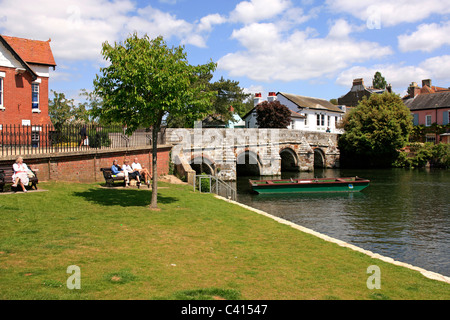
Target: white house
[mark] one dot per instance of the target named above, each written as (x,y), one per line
(309,114)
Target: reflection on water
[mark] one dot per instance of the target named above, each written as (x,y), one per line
(403,214)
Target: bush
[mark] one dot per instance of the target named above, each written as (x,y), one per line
(437,156)
(374,131)
(99,139)
(204,183)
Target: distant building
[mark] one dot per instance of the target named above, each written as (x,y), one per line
(358,92)
(309,114)
(428,105)
(414,90)
(24,76)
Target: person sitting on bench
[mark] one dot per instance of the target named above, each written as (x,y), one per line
(132,174)
(142,171)
(117,171)
(20,175)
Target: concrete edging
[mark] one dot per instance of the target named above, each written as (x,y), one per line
(426,273)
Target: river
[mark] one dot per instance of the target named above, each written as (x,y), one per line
(403,214)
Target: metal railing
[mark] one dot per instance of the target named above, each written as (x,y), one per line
(214,185)
(48,138)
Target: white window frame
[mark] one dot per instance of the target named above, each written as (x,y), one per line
(2,100)
(36,84)
(428,116)
(320,120)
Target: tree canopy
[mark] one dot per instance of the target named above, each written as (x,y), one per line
(64,111)
(145,81)
(227,93)
(273,114)
(375,130)
(378,81)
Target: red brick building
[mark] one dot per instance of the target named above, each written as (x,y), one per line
(24,76)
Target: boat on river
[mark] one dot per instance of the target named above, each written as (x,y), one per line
(348,184)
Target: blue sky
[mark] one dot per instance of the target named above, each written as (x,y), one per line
(307,47)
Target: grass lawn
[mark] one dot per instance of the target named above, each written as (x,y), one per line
(194,247)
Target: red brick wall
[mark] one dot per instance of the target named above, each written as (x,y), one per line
(85,167)
(17,99)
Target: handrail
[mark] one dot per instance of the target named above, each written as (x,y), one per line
(231,193)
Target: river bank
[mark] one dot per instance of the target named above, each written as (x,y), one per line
(194,242)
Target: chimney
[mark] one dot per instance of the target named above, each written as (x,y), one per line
(258,99)
(426,82)
(389,88)
(413,90)
(272,96)
(358,84)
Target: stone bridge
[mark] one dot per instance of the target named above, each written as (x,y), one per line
(227,153)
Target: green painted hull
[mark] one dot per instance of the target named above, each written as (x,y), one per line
(309,186)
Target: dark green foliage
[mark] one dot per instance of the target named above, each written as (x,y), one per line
(273,115)
(421,155)
(374,131)
(378,81)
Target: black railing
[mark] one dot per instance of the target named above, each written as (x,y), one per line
(41,139)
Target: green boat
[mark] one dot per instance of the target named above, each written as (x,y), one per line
(351,184)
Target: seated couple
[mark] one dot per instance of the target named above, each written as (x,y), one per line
(135,171)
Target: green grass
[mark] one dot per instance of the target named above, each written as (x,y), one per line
(194,247)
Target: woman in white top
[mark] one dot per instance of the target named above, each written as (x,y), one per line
(20,175)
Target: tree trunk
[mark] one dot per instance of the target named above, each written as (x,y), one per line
(154,204)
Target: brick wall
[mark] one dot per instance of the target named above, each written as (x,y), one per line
(85,166)
(17,99)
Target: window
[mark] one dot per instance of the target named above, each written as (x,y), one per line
(428,120)
(1,93)
(35,96)
(328,121)
(320,120)
(306,120)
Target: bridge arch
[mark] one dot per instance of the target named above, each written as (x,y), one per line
(289,160)
(202,164)
(248,164)
(319,158)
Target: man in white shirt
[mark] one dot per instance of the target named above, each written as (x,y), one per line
(136,166)
(132,174)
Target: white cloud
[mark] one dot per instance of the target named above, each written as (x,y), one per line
(206,23)
(388,12)
(271,55)
(155,22)
(258,10)
(400,75)
(79,27)
(428,37)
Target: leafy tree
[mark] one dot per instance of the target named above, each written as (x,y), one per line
(229,93)
(144,82)
(60,109)
(273,115)
(378,81)
(334,101)
(64,111)
(375,130)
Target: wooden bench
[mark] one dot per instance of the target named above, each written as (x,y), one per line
(6,173)
(112,179)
